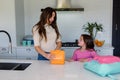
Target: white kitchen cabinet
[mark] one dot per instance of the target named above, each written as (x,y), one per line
(27,53)
(69,51)
(4,54)
(104,50)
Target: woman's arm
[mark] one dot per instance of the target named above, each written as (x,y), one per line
(36,38)
(59,45)
(40,51)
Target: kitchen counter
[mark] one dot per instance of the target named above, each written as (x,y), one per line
(43,70)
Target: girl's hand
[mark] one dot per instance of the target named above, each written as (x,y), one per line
(83,60)
(70,60)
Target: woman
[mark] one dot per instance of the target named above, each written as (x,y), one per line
(46,34)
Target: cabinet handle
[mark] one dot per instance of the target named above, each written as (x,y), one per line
(28,49)
(116,27)
(97,50)
(28,58)
(4,49)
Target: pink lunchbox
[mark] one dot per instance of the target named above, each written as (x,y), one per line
(107,59)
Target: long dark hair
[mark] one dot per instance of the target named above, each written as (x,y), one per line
(45,15)
(88,41)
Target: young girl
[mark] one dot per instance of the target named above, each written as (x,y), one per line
(86,51)
(46,34)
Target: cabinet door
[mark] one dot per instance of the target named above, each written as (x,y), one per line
(5,55)
(69,51)
(116,27)
(26,53)
(104,50)
(27,57)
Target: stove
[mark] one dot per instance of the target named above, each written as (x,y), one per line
(69,44)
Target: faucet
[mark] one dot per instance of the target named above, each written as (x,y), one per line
(10,42)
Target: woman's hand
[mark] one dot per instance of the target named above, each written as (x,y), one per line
(50,56)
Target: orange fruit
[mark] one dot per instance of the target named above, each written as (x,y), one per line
(99,43)
(96,41)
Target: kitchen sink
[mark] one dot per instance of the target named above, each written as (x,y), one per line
(13,66)
(22,66)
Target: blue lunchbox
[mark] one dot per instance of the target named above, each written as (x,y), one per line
(103,69)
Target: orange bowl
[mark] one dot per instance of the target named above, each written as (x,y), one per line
(99,43)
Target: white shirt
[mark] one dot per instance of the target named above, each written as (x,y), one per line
(51,35)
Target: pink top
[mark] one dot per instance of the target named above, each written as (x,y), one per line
(87,54)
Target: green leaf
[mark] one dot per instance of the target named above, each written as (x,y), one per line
(90,27)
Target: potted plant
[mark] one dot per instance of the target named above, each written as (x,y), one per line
(92,28)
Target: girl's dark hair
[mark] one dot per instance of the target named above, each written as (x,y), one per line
(45,15)
(88,41)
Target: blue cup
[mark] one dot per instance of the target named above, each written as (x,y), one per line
(24,43)
(29,43)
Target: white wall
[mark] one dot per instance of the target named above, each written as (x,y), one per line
(20,26)
(70,23)
(7,21)
(33,11)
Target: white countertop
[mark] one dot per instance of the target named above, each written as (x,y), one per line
(43,70)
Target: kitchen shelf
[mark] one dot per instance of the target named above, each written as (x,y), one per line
(68,9)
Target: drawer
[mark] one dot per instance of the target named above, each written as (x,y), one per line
(26,51)
(27,57)
(5,55)
(104,51)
